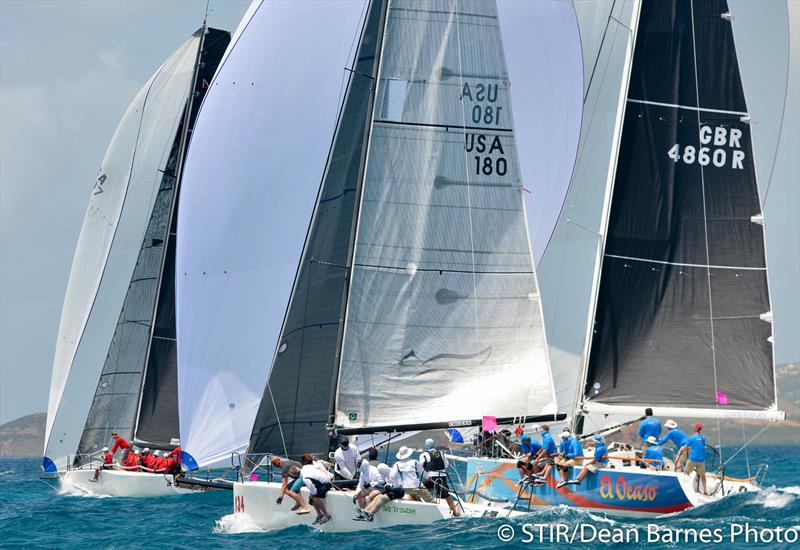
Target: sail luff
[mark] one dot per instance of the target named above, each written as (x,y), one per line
(604,217)
(187,111)
(358,209)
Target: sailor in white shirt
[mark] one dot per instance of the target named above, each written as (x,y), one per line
(346,460)
(392,489)
(370,480)
(410,474)
(318,482)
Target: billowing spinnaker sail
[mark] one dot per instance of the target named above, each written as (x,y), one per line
(566,272)
(444,319)
(545,63)
(119,210)
(680,320)
(307,354)
(251,175)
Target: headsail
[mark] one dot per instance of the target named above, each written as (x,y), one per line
(682,320)
(252,171)
(443,319)
(118,215)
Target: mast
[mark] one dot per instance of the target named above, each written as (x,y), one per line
(577,424)
(187,112)
(354,229)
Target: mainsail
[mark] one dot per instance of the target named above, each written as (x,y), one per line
(683,317)
(109,306)
(252,172)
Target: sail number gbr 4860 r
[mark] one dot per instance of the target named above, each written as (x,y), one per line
(719,147)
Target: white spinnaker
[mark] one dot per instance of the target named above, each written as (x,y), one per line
(252,173)
(566,271)
(108,246)
(544,58)
(443,318)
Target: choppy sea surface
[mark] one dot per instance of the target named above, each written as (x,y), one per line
(34,515)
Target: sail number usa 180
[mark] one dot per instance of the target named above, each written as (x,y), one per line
(720,147)
(485,111)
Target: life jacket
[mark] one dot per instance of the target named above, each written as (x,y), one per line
(436,463)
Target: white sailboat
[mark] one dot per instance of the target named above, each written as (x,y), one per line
(115,367)
(680,316)
(415,302)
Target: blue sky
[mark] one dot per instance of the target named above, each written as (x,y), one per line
(68,70)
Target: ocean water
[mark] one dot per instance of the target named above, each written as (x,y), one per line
(34,515)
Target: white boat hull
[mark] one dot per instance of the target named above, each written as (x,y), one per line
(118,483)
(256,499)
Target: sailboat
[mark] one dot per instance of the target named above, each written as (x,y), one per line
(414,303)
(680,319)
(115,361)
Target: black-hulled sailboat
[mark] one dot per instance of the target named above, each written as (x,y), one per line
(118,329)
(681,319)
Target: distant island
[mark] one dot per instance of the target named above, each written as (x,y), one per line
(24,436)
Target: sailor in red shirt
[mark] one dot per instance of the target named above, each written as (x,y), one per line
(132,462)
(174,460)
(160,463)
(108,464)
(119,443)
(147,458)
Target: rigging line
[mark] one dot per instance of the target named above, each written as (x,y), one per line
(277,418)
(600,50)
(705,229)
(744,446)
(453,18)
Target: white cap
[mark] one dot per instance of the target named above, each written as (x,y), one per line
(429,444)
(671,424)
(156,453)
(146,450)
(136,452)
(652,440)
(105,449)
(564,435)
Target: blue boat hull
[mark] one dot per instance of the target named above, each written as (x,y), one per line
(625,492)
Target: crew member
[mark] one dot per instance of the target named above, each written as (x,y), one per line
(318,482)
(108,464)
(147,459)
(530,450)
(132,461)
(370,482)
(598,460)
(122,445)
(410,472)
(174,461)
(392,490)
(546,458)
(346,460)
(696,446)
(159,462)
(290,484)
(649,426)
(435,465)
(653,455)
(570,455)
(678,438)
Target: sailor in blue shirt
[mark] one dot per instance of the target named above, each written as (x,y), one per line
(570,455)
(530,451)
(598,460)
(547,455)
(696,445)
(649,426)
(653,455)
(678,438)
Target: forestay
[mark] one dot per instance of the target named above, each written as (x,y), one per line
(444,319)
(683,314)
(121,201)
(252,172)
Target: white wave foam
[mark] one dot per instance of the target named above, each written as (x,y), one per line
(777,497)
(6,472)
(69,490)
(236,523)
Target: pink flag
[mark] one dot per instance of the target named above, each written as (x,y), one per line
(722,398)
(489,423)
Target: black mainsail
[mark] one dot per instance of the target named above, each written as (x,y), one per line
(683,316)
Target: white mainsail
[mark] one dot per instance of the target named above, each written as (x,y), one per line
(252,172)
(119,208)
(443,318)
